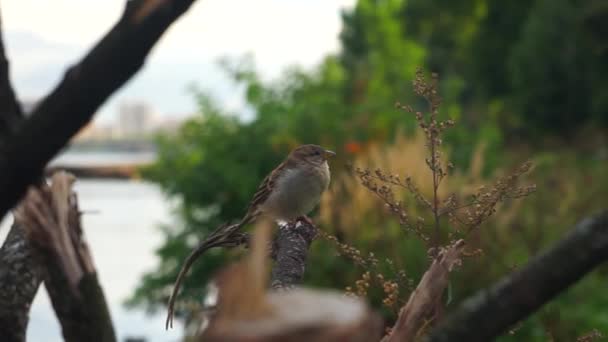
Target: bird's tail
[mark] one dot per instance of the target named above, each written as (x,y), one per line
(223,236)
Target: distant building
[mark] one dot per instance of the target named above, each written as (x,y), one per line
(135,119)
(98,132)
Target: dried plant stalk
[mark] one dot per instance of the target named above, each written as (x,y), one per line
(424,298)
(464,216)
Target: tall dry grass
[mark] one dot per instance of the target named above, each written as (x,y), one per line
(346,204)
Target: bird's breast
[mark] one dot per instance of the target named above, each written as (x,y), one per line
(297,192)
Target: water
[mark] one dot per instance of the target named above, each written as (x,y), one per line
(122,232)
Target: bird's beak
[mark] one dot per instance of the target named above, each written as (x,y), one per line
(329,154)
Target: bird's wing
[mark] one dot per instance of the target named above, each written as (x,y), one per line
(264,191)
(266,187)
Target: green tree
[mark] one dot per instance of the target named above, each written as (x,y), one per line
(553,70)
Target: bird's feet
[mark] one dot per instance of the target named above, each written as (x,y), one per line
(305,219)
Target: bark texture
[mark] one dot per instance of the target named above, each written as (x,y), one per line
(20,277)
(10,111)
(20,272)
(290,251)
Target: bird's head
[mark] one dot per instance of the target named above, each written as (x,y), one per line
(314,154)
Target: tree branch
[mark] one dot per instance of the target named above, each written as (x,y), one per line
(84,88)
(20,270)
(51,221)
(10,111)
(492,311)
(290,251)
(20,276)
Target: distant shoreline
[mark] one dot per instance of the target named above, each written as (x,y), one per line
(111,164)
(106,172)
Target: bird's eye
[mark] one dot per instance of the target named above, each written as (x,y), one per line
(316,153)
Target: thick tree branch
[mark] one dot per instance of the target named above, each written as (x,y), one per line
(290,251)
(20,276)
(10,111)
(84,88)
(51,221)
(20,270)
(492,311)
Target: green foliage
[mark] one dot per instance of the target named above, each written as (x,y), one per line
(509,70)
(570,188)
(374,34)
(543,59)
(551,69)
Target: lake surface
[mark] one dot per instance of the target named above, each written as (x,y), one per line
(122,231)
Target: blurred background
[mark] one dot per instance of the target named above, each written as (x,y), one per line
(235,84)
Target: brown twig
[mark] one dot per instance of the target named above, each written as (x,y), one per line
(437,238)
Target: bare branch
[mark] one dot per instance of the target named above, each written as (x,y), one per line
(118,56)
(20,270)
(10,111)
(20,275)
(492,311)
(51,221)
(290,251)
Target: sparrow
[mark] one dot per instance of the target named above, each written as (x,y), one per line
(291,191)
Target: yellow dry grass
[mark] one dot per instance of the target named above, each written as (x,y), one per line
(347,204)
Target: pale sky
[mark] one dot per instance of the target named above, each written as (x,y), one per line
(43,38)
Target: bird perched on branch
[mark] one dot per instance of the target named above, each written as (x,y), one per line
(289,192)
